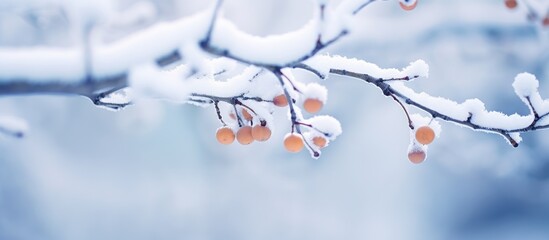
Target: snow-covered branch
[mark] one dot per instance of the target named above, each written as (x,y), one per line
(13,126)
(206,60)
(470,113)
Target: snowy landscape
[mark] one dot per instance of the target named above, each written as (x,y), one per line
(109,112)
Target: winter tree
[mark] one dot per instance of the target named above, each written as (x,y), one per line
(270,82)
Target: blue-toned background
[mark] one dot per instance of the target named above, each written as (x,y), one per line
(155,171)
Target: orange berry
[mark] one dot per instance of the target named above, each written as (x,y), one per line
(232,116)
(293,143)
(225,135)
(545,21)
(408,7)
(246,114)
(312,105)
(425,135)
(280,101)
(416,156)
(261,133)
(244,135)
(511,4)
(319,141)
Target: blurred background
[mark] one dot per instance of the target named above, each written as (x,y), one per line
(155,171)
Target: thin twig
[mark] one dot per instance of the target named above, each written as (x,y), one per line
(362,6)
(310,69)
(410,123)
(216,104)
(16,134)
(293,116)
(314,128)
(208,37)
(389,91)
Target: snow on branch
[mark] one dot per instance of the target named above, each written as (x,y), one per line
(13,126)
(471,113)
(206,60)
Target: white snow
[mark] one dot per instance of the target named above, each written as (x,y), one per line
(149,44)
(270,50)
(123,96)
(418,68)
(138,12)
(196,59)
(323,64)
(221,65)
(151,82)
(525,84)
(67,64)
(263,112)
(13,125)
(290,81)
(438,104)
(474,106)
(326,124)
(234,86)
(515,136)
(316,91)
(461,112)
(41,64)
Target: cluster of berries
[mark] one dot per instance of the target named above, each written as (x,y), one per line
(532,15)
(423,135)
(260,132)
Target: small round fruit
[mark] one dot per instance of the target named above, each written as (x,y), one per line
(261,133)
(293,143)
(408,7)
(232,116)
(545,21)
(425,135)
(225,135)
(312,105)
(280,101)
(246,115)
(511,4)
(244,135)
(319,141)
(416,156)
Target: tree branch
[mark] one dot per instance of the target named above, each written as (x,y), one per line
(209,33)
(388,90)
